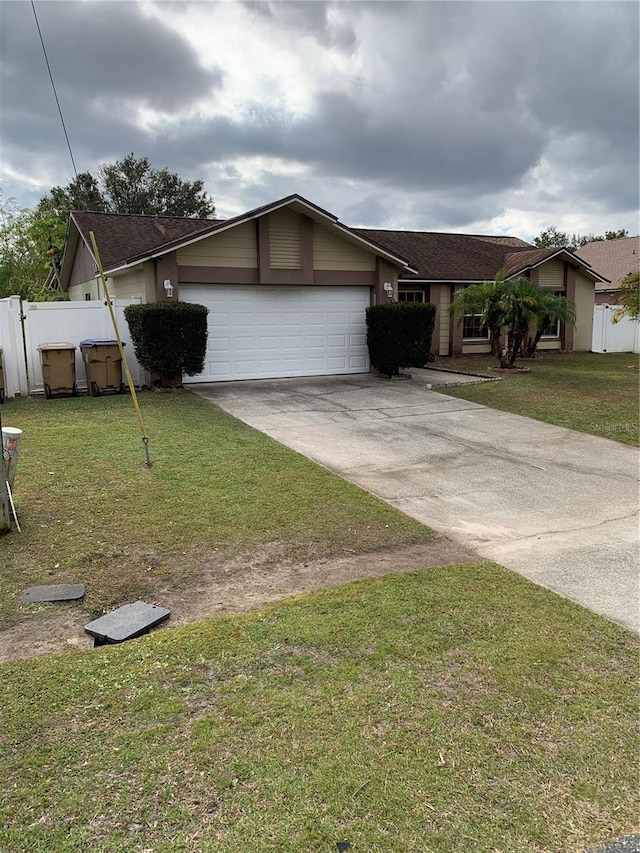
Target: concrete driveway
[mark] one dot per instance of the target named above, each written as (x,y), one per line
(557,506)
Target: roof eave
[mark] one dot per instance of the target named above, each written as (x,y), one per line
(73,234)
(251,216)
(579,262)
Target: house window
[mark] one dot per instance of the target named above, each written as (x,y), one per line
(551,330)
(472,327)
(411,295)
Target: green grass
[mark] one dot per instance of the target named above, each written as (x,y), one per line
(589,392)
(92,513)
(455,709)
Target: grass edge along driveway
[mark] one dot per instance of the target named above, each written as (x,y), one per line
(597,393)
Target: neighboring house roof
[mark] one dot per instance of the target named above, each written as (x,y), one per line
(614,258)
(124,239)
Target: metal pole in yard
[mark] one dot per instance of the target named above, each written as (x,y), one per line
(145,437)
(5,505)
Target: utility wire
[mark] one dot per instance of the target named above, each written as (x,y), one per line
(53,85)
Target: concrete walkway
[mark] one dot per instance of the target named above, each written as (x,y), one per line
(558,506)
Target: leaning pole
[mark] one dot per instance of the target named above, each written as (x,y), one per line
(5,507)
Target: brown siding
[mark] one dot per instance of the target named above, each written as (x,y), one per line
(333,252)
(83,266)
(233,248)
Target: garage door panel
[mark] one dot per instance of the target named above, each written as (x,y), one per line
(266,331)
(339,341)
(358,363)
(314,342)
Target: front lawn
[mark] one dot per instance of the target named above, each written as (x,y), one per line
(92,513)
(590,392)
(452,710)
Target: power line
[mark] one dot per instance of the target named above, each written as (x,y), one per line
(53,85)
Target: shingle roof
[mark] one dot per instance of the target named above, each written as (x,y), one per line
(613,258)
(515,262)
(127,238)
(123,237)
(448,257)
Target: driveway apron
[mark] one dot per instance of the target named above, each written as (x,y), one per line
(557,506)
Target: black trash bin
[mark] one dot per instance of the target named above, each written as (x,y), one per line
(103,364)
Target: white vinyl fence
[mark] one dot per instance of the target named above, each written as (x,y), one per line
(623,336)
(24,327)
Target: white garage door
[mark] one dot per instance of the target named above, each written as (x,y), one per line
(265,332)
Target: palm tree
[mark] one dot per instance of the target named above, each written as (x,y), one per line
(518,306)
(485,300)
(551,308)
(521,307)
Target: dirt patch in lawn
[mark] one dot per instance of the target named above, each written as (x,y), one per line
(229,585)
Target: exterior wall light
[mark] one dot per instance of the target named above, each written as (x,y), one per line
(388,288)
(168,288)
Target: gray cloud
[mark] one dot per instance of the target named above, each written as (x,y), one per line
(107,60)
(306,18)
(454,105)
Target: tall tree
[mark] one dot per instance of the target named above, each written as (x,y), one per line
(129,185)
(132,185)
(26,254)
(82,193)
(552,237)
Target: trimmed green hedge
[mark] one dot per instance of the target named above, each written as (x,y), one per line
(169,338)
(399,335)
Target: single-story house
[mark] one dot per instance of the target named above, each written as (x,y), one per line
(287,284)
(614,259)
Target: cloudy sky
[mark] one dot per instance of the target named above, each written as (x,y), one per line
(495,117)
